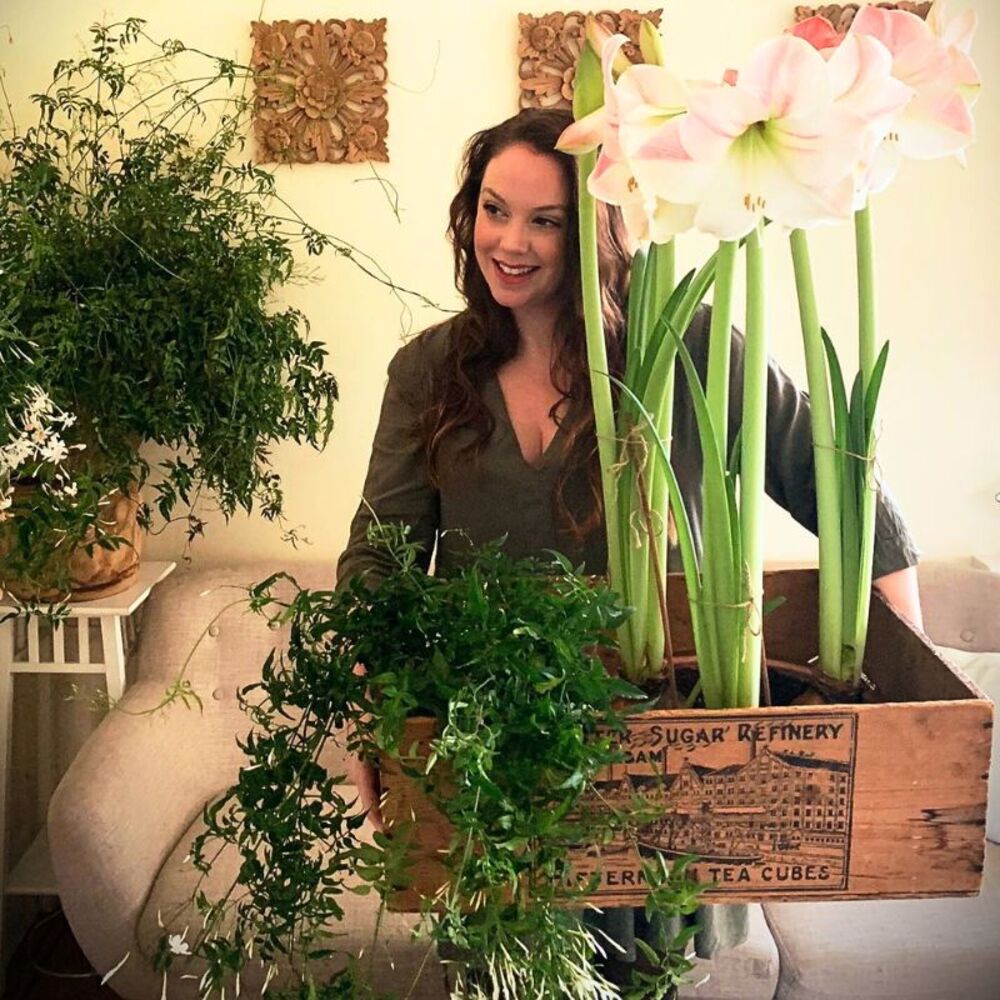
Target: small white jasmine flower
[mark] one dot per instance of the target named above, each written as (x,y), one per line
(54,450)
(177,944)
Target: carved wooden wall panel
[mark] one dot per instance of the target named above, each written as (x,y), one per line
(320,91)
(840,15)
(549,45)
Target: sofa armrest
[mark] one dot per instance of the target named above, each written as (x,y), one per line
(961,605)
(117,814)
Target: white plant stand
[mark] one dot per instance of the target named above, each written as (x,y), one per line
(31,649)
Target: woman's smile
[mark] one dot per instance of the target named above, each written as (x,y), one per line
(514,275)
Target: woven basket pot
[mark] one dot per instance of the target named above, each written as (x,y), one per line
(102,573)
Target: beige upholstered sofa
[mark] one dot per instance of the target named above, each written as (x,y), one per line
(121,821)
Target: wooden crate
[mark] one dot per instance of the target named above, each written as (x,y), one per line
(886,798)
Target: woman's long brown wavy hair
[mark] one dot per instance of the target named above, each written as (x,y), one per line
(485,335)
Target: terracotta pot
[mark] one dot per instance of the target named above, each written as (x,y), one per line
(102,573)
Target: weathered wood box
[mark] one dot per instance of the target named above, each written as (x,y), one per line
(886,798)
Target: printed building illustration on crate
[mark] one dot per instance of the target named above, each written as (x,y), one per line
(763,805)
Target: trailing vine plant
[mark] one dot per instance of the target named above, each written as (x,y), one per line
(501,655)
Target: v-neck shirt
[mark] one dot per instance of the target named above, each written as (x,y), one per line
(505,410)
(500,494)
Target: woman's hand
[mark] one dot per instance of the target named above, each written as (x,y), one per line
(901,591)
(366,778)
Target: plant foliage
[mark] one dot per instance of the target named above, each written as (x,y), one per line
(525,718)
(139,260)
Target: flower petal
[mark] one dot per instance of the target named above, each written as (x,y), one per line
(654,87)
(716,117)
(667,220)
(883,167)
(819,151)
(895,29)
(862,81)
(724,211)
(935,125)
(586,134)
(788,76)
(612,181)
(663,166)
(818,32)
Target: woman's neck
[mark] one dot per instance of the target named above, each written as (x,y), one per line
(536,333)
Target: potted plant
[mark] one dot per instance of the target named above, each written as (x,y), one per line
(484,698)
(789,140)
(139,258)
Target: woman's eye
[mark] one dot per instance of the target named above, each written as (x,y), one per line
(491,209)
(548,222)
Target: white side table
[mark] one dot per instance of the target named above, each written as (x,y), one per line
(32,875)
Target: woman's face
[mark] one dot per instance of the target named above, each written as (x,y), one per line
(520,231)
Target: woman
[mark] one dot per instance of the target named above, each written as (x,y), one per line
(487,427)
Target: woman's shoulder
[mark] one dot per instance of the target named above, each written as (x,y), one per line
(423,353)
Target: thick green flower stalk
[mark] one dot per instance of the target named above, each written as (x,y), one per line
(588,95)
(639,486)
(826,459)
(843,446)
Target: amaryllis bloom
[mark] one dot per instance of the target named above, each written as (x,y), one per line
(772,145)
(933,60)
(863,86)
(635,106)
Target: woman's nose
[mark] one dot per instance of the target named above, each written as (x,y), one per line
(514,238)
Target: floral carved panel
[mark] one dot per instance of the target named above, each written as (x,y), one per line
(549,44)
(841,15)
(320,91)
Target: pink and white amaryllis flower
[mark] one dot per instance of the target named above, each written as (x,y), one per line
(774,144)
(636,104)
(863,86)
(933,60)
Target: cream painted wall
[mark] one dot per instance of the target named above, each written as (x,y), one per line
(452,69)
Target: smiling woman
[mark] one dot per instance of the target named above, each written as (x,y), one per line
(487,426)
(496,402)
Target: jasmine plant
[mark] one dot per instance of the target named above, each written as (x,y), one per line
(500,655)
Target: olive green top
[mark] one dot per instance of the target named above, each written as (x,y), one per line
(501,494)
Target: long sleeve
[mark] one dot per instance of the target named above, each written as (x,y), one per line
(397,486)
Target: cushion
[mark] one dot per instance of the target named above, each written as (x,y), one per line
(983,669)
(397,959)
(748,972)
(912,949)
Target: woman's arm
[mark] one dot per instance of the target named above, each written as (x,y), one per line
(397,487)
(901,591)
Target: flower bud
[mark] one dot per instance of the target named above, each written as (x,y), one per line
(651,44)
(588,85)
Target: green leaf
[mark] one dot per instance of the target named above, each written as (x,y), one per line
(773,603)
(874,390)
